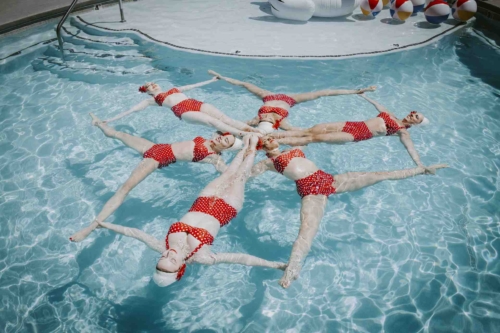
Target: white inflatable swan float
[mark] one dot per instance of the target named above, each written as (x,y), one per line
(303,10)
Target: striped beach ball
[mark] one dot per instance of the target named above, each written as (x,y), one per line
(418,6)
(437,11)
(371,7)
(464,10)
(401,9)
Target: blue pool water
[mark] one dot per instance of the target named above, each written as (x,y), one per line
(419,255)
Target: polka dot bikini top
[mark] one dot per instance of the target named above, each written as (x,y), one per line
(281,161)
(390,124)
(161,97)
(200,234)
(200,151)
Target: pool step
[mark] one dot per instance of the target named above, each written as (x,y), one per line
(93,31)
(92,72)
(78,33)
(78,37)
(79,53)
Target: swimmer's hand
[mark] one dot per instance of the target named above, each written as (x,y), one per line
(102,224)
(217,75)
(254,140)
(370,88)
(431,170)
(281,265)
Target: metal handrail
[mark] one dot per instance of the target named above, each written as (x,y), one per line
(70,9)
(59,26)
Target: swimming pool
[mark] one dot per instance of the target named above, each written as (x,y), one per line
(407,256)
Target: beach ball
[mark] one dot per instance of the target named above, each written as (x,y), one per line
(401,9)
(464,10)
(437,12)
(371,7)
(418,6)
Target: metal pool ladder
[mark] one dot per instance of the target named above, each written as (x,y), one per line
(70,9)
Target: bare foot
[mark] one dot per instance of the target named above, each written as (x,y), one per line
(291,274)
(95,120)
(82,234)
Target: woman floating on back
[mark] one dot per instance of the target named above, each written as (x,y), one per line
(314,186)
(385,124)
(187,109)
(157,156)
(273,114)
(189,240)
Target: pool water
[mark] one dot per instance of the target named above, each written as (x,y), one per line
(417,255)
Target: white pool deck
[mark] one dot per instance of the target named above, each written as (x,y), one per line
(247,28)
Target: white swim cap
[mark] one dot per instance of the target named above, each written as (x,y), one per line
(237,145)
(265,127)
(424,122)
(163,279)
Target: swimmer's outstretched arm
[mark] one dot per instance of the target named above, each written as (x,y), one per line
(144,169)
(261,167)
(406,140)
(304,97)
(259,92)
(139,107)
(238,258)
(197,85)
(377,105)
(150,241)
(217,161)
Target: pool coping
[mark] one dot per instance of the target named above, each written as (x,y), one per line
(278,56)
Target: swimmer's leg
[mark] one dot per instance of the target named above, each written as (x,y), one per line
(144,169)
(217,114)
(326,128)
(353,181)
(259,92)
(201,118)
(139,144)
(304,97)
(235,192)
(311,213)
(221,183)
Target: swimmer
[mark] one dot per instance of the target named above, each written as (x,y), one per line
(189,110)
(385,124)
(157,156)
(189,240)
(273,114)
(314,186)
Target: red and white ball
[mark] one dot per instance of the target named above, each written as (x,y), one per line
(464,10)
(371,7)
(401,9)
(437,11)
